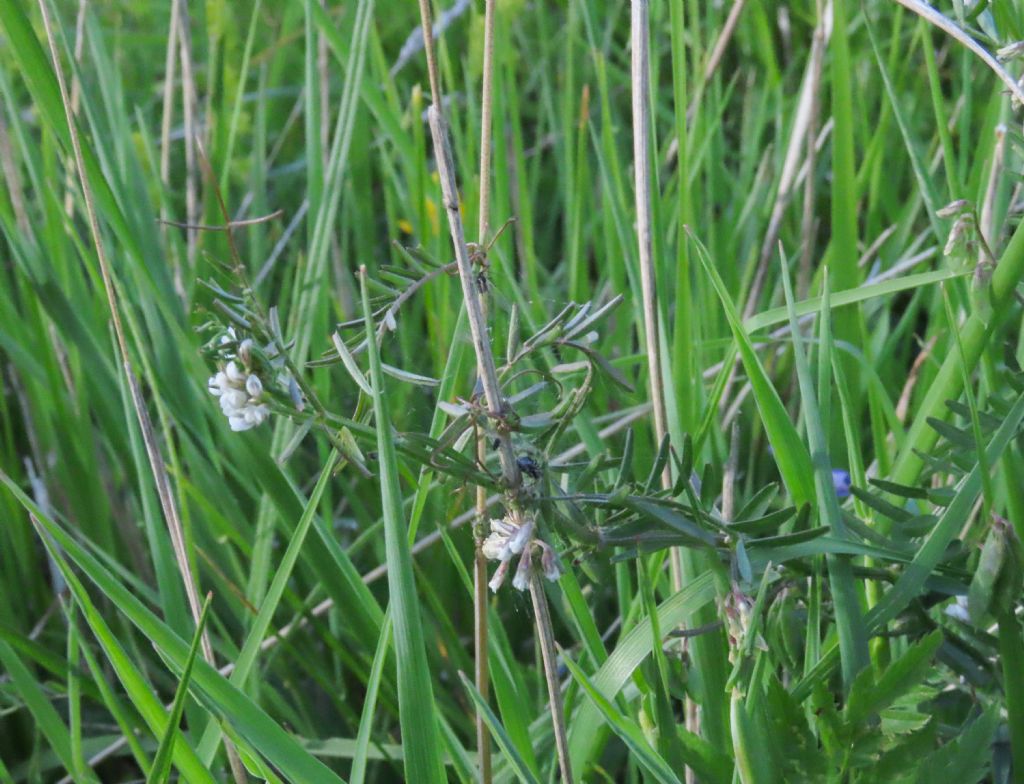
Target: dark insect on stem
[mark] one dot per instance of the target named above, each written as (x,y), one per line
(483,283)
(478,253)
(529,467)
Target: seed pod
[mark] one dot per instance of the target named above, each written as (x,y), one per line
(997,580)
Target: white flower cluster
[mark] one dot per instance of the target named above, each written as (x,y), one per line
(509,539)
(240,396)
(239,389)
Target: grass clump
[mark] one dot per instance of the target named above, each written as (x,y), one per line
(584,391)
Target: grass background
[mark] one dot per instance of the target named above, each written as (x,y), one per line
(313,110)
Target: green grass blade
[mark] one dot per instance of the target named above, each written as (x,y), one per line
(215,691)
(161,769)
(47,719)
(508,748)
(415,696)
(585,738)
(779,315)
(627,730)
(853,641)
(362,748)
(790,453)
(250,649)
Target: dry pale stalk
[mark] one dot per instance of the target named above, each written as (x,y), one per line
(640,78)
(474,309)
(642,175)
(550,659)
(481,676)
(488,372)
(166,119)
(428,46)
(986,221)
(807,221)
(190,103)
(947,25)
(640,75)
(789,179)
(76,96)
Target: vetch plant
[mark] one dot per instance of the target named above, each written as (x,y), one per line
(768,533)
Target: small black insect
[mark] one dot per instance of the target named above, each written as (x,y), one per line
(483,283)
(529,467)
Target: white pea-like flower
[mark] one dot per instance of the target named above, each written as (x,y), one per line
(523,573)
(232,400)
(521,537)
(549,563)
(499,576)
(509,539)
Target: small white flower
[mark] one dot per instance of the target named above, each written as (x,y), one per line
(254,386)
(508,539)
(522,536)
(234,374)
(256,414)
(549,563)
(494,547)
(238,423)
(522,579)
(232,400)
(499,577)
(217,384)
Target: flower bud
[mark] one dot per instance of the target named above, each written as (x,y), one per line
(842,483)
(245,352)
(253,386)
(549,563)
(238,423)
(499,576)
